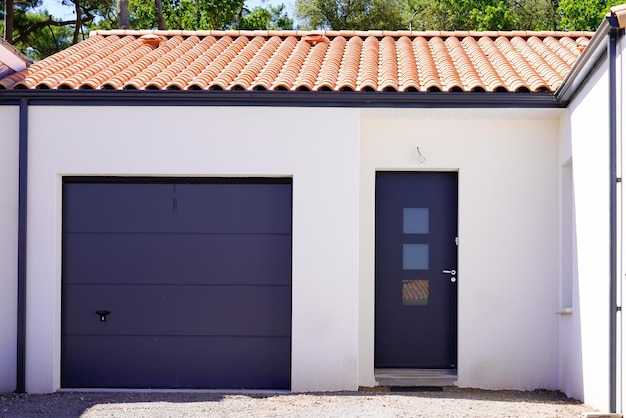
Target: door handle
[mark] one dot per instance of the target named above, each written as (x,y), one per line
(452,272)
(103,315)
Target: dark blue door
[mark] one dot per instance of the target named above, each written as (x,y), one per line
(416,262)
(181,283)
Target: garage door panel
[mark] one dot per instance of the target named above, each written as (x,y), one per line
(178,310)
(208,208)
(236,208)
(117,207)
(177,258)
(195,275)
(181,362)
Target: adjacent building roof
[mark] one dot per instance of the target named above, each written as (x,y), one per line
(11,60)
(380,61)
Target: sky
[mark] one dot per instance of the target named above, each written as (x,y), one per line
(65,12)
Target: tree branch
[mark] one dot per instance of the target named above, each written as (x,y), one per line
(35,26)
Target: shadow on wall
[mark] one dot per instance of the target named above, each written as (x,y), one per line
(570,330)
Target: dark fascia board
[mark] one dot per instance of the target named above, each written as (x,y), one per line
(594,54)
(280,99)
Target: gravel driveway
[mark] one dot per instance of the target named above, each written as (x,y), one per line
(451,402)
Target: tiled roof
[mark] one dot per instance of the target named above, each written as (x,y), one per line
(381,61)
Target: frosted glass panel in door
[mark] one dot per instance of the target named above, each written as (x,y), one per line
(415,257)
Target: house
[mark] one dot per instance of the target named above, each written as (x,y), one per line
(316,211)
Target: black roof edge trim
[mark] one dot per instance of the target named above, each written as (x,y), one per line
(591,57)
(280,98)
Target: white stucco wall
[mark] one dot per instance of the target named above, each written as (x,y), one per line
(508,221)
(584,335)
(508,234)
(9,143)
(319,148)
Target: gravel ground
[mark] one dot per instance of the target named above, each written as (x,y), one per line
(451,402)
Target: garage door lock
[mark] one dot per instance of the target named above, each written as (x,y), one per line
(103,315)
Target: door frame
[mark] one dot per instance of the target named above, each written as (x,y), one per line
(436,377)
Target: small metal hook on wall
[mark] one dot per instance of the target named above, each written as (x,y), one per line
(420,157)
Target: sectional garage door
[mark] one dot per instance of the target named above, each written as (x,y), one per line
(181,283)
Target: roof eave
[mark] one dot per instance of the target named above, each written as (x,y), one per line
(12,58)
(284,98)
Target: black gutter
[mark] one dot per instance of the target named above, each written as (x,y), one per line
(20,386)
(343,99)
(591,57)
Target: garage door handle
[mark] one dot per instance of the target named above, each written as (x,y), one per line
(103,315)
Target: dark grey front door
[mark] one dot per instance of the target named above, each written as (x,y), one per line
(182,283)
(416,262)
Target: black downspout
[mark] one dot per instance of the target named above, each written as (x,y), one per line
(613,34)
(20,386)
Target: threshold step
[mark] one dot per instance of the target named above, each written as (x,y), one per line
(416,377)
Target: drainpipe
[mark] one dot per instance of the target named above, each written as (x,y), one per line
(613,222)
(615,310)
(20,386)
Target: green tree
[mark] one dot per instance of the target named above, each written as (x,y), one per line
(485,14)
(35,32)
(270,17)
(352,14)
(42,36)
(584,14)
(38,34)
(185,14)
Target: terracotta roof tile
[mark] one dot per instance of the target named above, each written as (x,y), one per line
(311,67)
(332,64)
(379,61)
(544,69)
(408,77)
(485,68)
(349,70)
(275,64)
(367,79)
(289,73)
(428,74)
(467,72)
